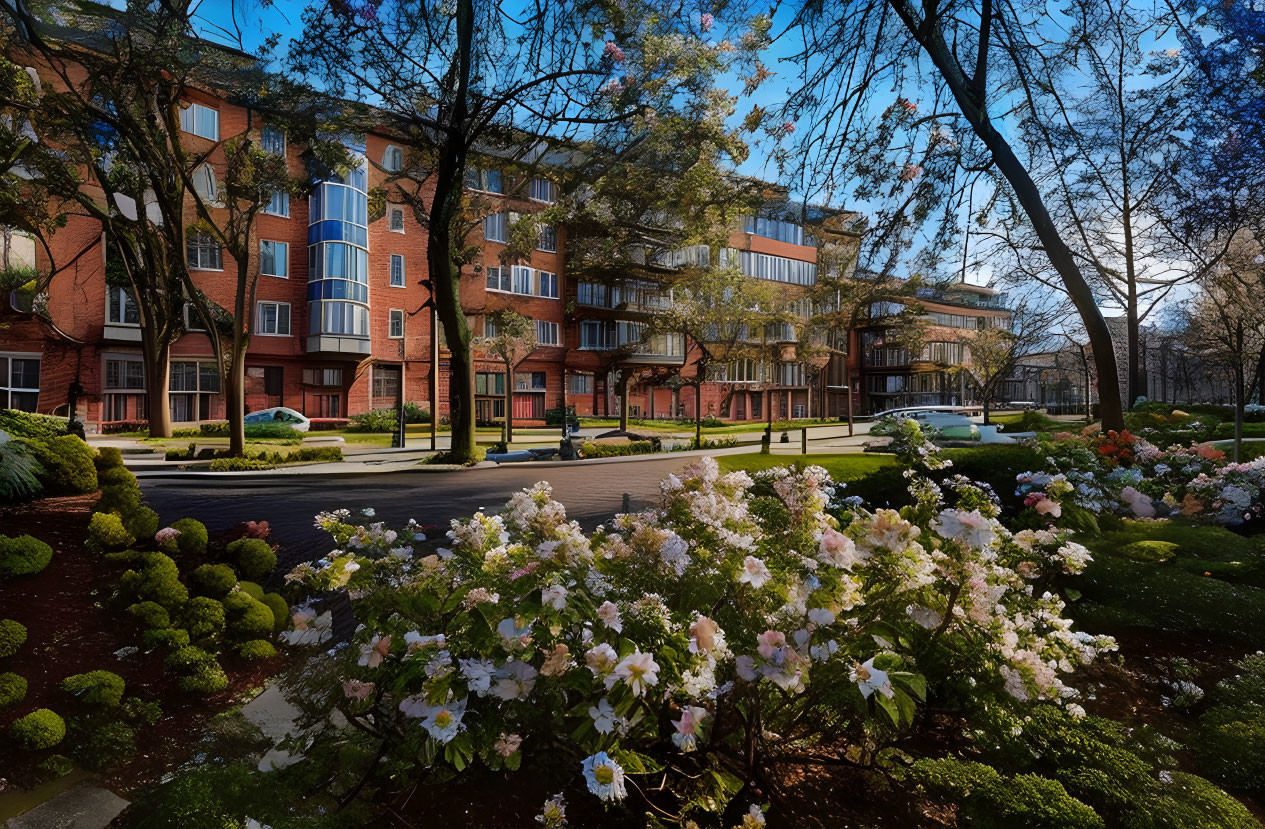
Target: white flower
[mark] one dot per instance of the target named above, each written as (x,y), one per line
(754,572)
(638,670)
(604,776)
(837,549)
(416,641)
(515,632)
(374,651)
(820,616)
(753,819)
(870,679)
(444,721)
(604,717)
(554,813)
(478,674)
(515,680)
(555,595)
(970,528)
(601,660)
(609,614)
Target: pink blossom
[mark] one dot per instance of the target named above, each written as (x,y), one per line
(526,570)
(166,537)
(706,21)
(507,744)
(357,690)
(909,105)
(1047,507)
(911,172)
(613,52)
(788,127)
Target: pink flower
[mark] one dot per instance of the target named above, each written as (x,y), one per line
(909,105)
(357,690)
(911,172)
(771,641)
(706,22)
(1047,507)
(166,537)
(372,653)
(612,87)
(837,549)
(613,52)
(525,570)
(686,736)
(788,127)
(507,744)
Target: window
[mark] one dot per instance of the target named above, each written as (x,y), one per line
(201,120)
(274,380)
(273,318)
(397,220)
(122,308)
(522,280)
(549,285)
(323,376)
(204,183)
(274,259)
(540,189)
(490,329)
(19,381)
(529,381)
(885,309)
(548,239)
(386,381)
(279,204)
(204,253)
(395,324)
(124,374)
(191,375)
(192,321)
(498,279)
(546,333)
(393,159)
(489,181)
(397,270)
(593,293)
(496,228)
(273,140)
(776,229)
(489,382)
(775,268)
(581,384)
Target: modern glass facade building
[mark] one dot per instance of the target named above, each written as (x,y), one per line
(338,261)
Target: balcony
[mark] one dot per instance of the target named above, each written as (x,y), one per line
(330,345)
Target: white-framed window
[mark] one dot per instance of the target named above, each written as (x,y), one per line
(523,278)
(204,253)
(397,220)
(548,285)
(546,333)
(581,384)
(395,323)
(496,228)
(125,373)
(19,380)
(273,140)
(397,270)
(192,322)
(540,189)
(273,319)
(498,279)
(279,204)
(489,181)
(205,184)
(120,307)
(201,120)
(393,159)
(548,239)
(490,328)
(274,259)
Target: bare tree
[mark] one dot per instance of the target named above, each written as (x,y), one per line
(511,337)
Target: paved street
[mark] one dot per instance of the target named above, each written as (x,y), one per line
(591,492)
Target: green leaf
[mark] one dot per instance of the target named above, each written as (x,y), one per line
(888,706)
(916,683)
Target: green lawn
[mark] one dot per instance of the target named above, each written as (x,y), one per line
(1252,449)
(841,467)
(683,428)
(1250,430)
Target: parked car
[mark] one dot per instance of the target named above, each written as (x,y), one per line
(280,414)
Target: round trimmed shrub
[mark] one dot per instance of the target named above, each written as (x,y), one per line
(58,765)
(158,580)
(203,617)
(68,465)
(12,689)
(251,589)
(280,611)
(108,457)
(173,638)
(12,637)
(255,559)
(23,555)
(206,679)
(106,532)
(151,614)
(256,649)
(214,580)
(122,498)
(248,618)
(193,536)
(114,475)
(1152,552)
(141,522)
(187,659)
(95,688)
(39,729)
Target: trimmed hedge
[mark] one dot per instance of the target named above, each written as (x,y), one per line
(151,614)
(193,536)
(172,638)
(255,560)
(256,649)
(106,533)
(248,618)
(38,730)
(27,425)
(12,637)
(214,580)
(12,689)
(68,465)
(157,580)
(23,555)
(203,617)
(103,688)
(616,450)
(280,611)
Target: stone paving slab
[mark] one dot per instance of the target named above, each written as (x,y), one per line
(82,807)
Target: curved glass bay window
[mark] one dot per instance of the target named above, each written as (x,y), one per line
(338,262)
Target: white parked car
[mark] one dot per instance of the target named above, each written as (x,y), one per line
(280,414)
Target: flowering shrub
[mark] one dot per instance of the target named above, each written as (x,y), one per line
(743,623)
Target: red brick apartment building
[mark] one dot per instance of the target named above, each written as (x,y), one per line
(338,327)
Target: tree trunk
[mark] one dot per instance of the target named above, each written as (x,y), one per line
(157,383)
(1239,391)
(1132,380)
(698,415)
(624,377)
(235,398)
(509,405)
(1029,197)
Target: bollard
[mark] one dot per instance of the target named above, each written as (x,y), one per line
(803,441)
(764,443)
(627,503)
